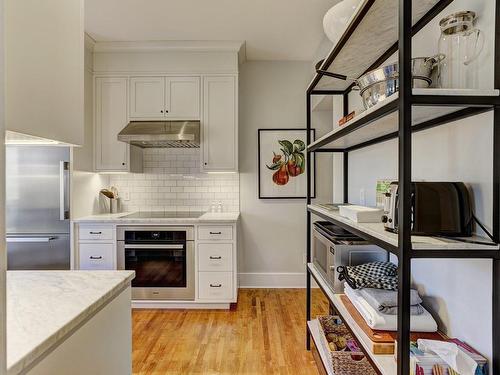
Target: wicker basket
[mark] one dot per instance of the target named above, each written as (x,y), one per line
(343,362)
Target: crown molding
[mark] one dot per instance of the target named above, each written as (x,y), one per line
(174,45)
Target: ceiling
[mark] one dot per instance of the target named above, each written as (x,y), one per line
(272,29)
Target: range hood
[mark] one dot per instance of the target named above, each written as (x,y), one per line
(162,134)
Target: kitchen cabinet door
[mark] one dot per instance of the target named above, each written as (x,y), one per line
(147,98)
(44,65)
(96,256)
(220,124)
(182,98)
(110,118)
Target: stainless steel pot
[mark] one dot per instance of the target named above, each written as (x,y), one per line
(379,84)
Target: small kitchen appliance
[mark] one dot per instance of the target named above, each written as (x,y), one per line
(334,246)
(438,208)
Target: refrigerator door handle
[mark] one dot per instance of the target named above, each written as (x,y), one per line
(29,239)
(63,190)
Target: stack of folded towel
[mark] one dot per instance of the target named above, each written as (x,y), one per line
(372,287)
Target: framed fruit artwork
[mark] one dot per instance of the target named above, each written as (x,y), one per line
(282,164)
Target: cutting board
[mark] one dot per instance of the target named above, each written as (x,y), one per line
(383,342)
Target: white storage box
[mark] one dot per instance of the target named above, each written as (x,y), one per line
(361,214)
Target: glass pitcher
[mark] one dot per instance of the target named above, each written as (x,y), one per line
(461,43)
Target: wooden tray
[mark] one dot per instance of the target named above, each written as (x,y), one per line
(383,342)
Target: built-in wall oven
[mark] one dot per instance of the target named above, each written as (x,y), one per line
(333,246)
(163,261)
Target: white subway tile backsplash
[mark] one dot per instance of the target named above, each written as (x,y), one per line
(172,182)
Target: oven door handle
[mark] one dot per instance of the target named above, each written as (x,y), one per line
(155,247)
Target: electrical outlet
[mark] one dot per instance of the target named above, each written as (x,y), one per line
(125,195)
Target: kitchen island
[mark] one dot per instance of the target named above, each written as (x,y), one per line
(61,322)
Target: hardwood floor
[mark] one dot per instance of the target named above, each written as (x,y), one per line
(264,334)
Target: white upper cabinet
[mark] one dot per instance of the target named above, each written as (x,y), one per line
(110,118)
(165,98)
(147,97)
(44,69)
(182,98)
(220,124)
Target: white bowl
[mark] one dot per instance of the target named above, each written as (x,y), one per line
(336,19)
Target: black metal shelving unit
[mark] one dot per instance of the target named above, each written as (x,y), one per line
(354,136)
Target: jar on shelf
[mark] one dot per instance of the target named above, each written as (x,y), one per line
(461,44)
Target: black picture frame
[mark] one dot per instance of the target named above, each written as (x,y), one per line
(313,176)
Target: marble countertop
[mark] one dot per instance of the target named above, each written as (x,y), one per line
(44,306)
(208,217)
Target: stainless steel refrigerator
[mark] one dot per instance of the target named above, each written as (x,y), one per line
(37,207)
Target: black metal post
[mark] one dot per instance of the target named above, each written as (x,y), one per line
(346,176)
(495,329)
(308,230)
(404,232)
(345,98)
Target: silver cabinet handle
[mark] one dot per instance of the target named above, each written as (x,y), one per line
(63,190)
(93,257)
(215,232)
(95,232)
(212,257)
(215,286)
(29,239)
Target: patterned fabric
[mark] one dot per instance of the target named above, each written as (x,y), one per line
(379,275)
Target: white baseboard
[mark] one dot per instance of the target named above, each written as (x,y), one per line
(272,280)
(148,304)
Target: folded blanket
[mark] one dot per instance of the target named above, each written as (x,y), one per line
(386,301)
(383,322)
(380,275)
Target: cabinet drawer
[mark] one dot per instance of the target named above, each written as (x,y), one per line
(215,232)
(215,285)
(95,232)
(96,256)
(215,257)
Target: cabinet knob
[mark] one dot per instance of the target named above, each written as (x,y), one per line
(123,163)
(161,111)
(205,163)
(166,111)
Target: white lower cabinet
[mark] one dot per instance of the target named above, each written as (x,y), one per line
(213,232)
(215,257)
(96,247)
(215,285)
(96,256)
(216,263)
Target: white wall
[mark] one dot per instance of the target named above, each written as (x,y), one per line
(458,292)
(273,232)
(44,65)
(3,255)
(85,184)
